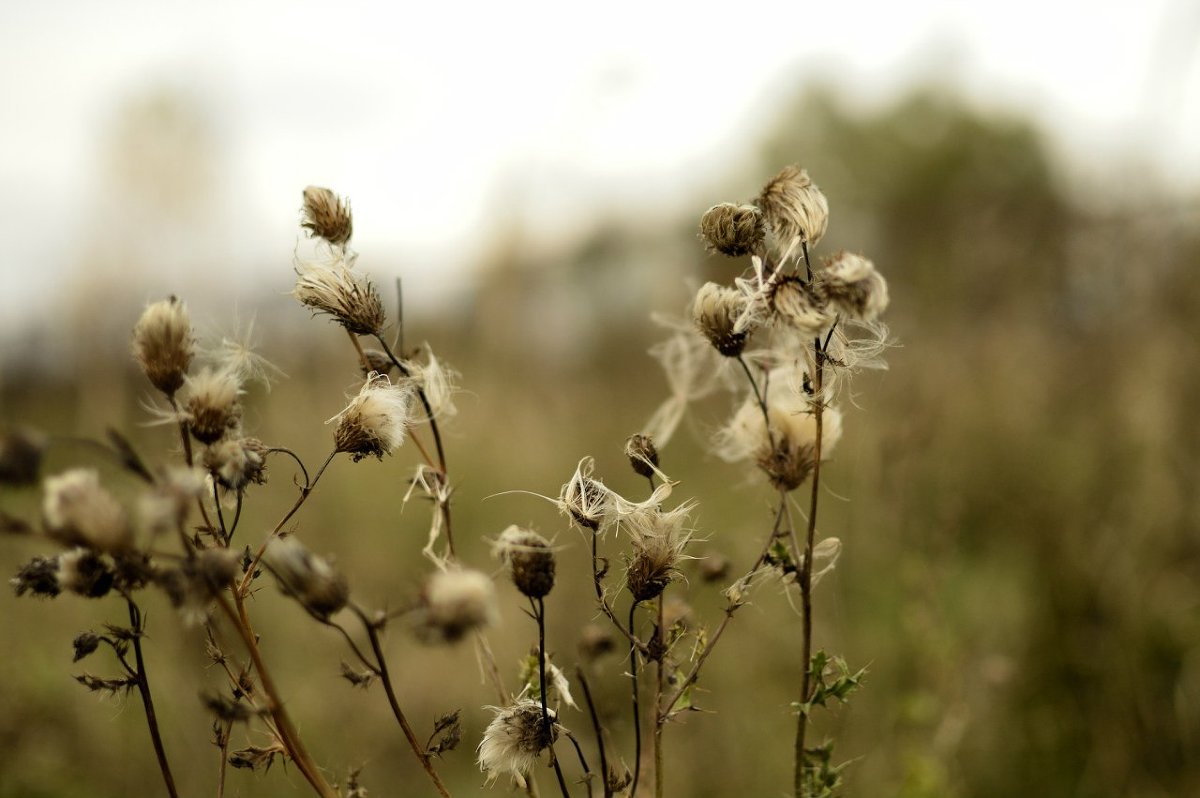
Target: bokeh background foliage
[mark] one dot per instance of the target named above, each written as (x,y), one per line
(1021,563)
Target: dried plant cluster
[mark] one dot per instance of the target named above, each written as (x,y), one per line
(780,337)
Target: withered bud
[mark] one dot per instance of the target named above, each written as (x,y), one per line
(85,643)
(716,312)
(850,283)
(801,307)
(642,454)
(20,456)
(100,685)
(586,500)
(84,573)
(453,603)
(38,577)
(594,642)
(213,405)
(309,579)
(794,207)
(217,567)
(788,464)
(529,558)
(327,216)
(377,362)
(163,344)
(237,462)
(76,510)
(732,229)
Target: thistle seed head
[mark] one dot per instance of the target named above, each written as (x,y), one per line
(77,511)
(642,454)
(84,573)
(38,577)
(732,229)
(237,462)
(851,284)
(658,540)
(794,207)
(800,307)
(163,344)
(455,602)
(716,311)
(213,405)
(327,216)
(529,558)
(514,739)
(586,500)
(304,576)
(342,293)
(376,419)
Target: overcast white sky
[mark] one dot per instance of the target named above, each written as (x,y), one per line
(427,113)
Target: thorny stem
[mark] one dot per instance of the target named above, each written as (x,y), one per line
(587,771)
(605,607)
(637,713)
(305,491)
(658,694)
(283,722)
(143,685)
(385,677)
(665,709)
(597,728)
(806,577)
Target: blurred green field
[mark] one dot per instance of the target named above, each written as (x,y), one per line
(1015,496)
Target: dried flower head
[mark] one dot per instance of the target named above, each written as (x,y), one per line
(163,344)
(586,500)
(512,741)
(733,230)
(84,573)
(327,216)
(38,577)
(455,602)
(237,462)
(642,454)
(77,511)
(794,207)
(658,539)
(213,404)
(799,306)
(529,558)
(21,456)
(438,381)
(336,289)
(375,421)
(851,284)
(85,644)
(786,451)
(716,311)
(304,576)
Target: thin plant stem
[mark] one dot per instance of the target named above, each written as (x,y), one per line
(539,614)
(186,439)
(760,398)
(385,677)
(362,356)
(806,578)
(658,694)
(220,515)
(283,722)
(637,712)
(305,492)
(223,747)
(605,607)
(597,728)
(587,771)
(143,685)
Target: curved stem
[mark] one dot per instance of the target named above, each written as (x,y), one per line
(597,728)
(385,677)
(294,456)
(143,685)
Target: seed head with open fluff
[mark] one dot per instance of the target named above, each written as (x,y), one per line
(78,511)
(338,290)
(794,207)
(376,419)
(327,216)
(529,558)
(658,540)
(212,404)
(453,603)
(163,344)
(717,310)
(850,283)
(304,576)
(512,741)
